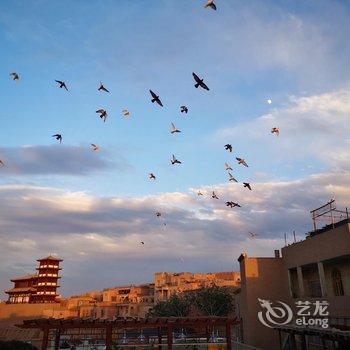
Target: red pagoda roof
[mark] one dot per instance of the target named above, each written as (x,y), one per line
(20,290)
(50,257)
(24,278)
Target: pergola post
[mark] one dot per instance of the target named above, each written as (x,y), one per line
(159,330)
(293,343)
(170,337)
(45,340)
(57,339)
(228,336)
(109,330)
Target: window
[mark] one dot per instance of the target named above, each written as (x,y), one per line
(337,282)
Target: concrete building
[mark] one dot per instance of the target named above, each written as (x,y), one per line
(309,274)
(168,283)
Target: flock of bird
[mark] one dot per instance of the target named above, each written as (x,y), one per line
(102,113)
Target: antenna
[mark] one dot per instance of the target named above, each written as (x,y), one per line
(285,239)
(294,236)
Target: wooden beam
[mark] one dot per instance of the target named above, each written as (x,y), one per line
(109,330)
(45,341)
(228,336)
(170,336)
(57,339)
(159,331)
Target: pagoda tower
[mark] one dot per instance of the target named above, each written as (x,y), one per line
(47,283)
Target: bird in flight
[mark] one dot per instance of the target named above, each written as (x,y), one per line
(228,167)
(126,112)
(184,109)
(2,163)
(231,177)
(252,234)
(14,76)
(275,130)
(143,243)
(199,193)
(247,185)
(102,88)
(152,176)
(155,98)
(174,129)
(199,82)
(210,4)
(62,84)
(232,204)
(228,147)
(175,161)
(94,147)
(103,114)
(242,161)
(58,137)
(158,214)
(214,196)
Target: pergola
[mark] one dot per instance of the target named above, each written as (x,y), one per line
(109,325)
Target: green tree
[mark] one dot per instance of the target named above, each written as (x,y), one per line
(178,306)
(213,301)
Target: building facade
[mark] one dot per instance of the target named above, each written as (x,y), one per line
(168,283)
(312,272)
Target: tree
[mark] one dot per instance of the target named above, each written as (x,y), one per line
(213,301)
(178,306)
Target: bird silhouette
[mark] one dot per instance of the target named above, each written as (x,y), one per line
(102,88)
(214,196)
(228,147)
(15,76)
(253,235)
(174,129)
(210,4)
(199,193)
(247,185)
(276,131)
(151,176)
(155,98)
(184,109)
(58,137)
(242,161)
(231,177)
(158,214)
(175,161)
(95,147)
(126,112)
(199,82)
(103,114)
(62,84)
(232,204)
(143,243)
(228,166)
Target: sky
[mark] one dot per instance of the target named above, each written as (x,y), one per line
(94,208)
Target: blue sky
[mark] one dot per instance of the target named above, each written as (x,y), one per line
(295,53)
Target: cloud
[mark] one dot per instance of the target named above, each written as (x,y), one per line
(92,232)
(58,160)
(313,127)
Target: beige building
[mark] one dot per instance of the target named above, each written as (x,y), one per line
(309,273)
(168,283)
